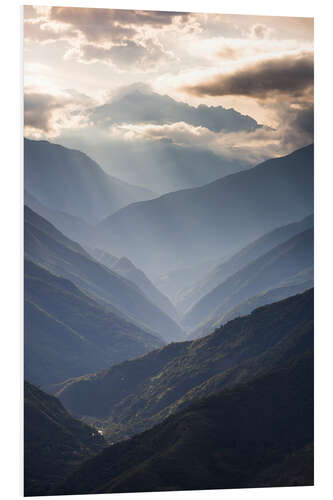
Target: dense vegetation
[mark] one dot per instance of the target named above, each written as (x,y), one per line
(54,442)
(133,396)
(257,434)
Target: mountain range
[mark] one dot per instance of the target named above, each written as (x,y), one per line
(280,292)
(69,181)
(174,331)
(184,228)
(162,164)
(137,394)
(283,262)
(188,297)
(124,267)
(68,334)
(48,247)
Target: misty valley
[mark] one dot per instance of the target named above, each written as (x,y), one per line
(168,338)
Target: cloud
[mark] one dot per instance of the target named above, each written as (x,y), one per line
(139,104)
(29,11)
(245,26)
(99,25)
(180,133)
(38,109)
(46,114)
(260,31)
(290,74)
(144,56)
(125,39)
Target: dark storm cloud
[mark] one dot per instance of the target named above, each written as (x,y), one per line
(138,104)
(291,75)
(296,125)
(304,120)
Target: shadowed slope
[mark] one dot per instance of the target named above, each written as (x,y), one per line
(137,394)
(68,334)
(54,442)
(256,434)
(46,246)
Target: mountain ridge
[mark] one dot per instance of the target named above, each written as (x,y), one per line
(47,246)
(70,181)
(267,271)
(213,443)
(181,228)
(132,396)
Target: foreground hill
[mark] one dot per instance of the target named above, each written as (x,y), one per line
(68,180)
(68,334)
(54,442)
(184,228)
(137,394)
(268,271)
(124,267)
(256,434)
(251,252)
(48,247)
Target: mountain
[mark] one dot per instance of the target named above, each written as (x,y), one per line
(71,226)
(135,395)
(184,228)
(161,164)
(268,271)
(257,434)
(55,443)
(249,305)
(124,267)
(230,266)
(68,334)
(48,247)
(139,104)
(69,181)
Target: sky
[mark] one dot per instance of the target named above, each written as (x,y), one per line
(238,87)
